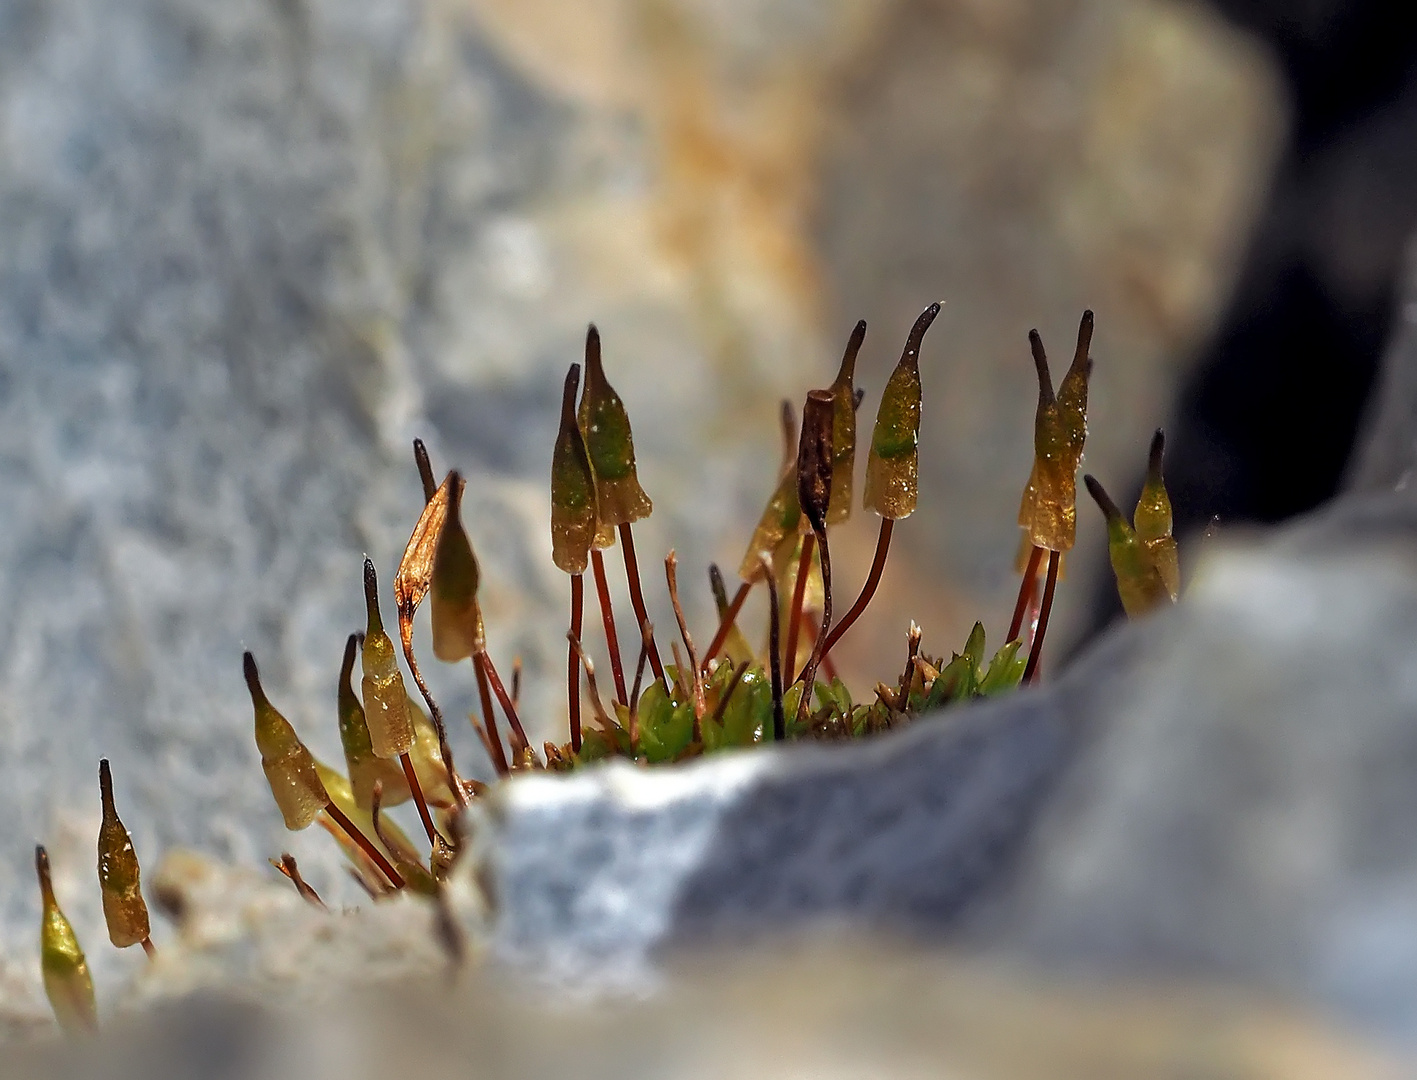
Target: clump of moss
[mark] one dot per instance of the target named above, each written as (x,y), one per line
(728,696)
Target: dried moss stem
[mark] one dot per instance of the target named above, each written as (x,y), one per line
(573,667)
(637,597)
(607,616)
(1026,589)
(725,624)
(873,579)
(366,845)
(1031,670)
(799,593)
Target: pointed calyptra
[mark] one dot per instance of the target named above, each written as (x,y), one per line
(456,617)
(844,429)
(573,502)
(385,698)
(1138,582)
(289,768)
(1152,519)
(66,973)
(892,468)
(365,767)
(610,445)
(124,910)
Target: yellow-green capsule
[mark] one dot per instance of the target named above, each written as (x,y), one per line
(66,973)
(1153,519)
(366,768)
(124,910)
(289,768)
(1138,582)
(573,503)
(892,467)
(844,429)
(1048,511)
(776,529)
(610,445)
(385,698)
(456,617)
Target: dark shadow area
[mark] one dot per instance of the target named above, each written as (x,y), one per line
(1265,425)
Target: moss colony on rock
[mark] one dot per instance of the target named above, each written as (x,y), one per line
(731,695)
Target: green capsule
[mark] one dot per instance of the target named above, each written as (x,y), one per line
(66,973)
(573,502)
(606,428)
(1138,582)
(776,529)
(124,909)
(385,699)
(289,768)
(892,467)
(1153,519)
(1072,391)
(844,429)
(456,617)
(365,767)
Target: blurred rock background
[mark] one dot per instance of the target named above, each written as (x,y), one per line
(249,250)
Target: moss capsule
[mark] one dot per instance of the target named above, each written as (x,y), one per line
(892,467)
(385,698)
(1048,511)
(289,768)
(66,973)
(611,447)
(1152,519)
(1138,582)
(365,767)
(124,909)
(844,429)
(456,618)
(573,502)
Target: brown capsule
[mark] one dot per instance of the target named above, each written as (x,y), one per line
(1048,510)
(456,617)
(814,458)
(892,467)
(289,768)
(573,503)
(610,445)
(66,973)
(385,698)
(844,403)
(124,909)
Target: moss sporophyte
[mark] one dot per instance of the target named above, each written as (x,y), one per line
(729,695)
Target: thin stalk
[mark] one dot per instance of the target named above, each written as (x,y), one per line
(725,624)
(352,831)
(416,790)
(779,721)
(809,670)
(601,715)
(799,593)
(637,596)
(508,706)
(517,683)
(573,667)
(1026,589)
(878,564)
(647,633)
(671,574)
(733,682)
(612,640)
(828,665)
(149,948)
(493,740)
(439,728)
(1035,654)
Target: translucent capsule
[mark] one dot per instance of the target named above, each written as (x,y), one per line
(844,429)
(776,529)
(66,973)
(289,768)
(1152,519)
(573,503)
(1048,511)
(892,467)
(124,910)
(456,617)
(1138,582)
(365,767)
(385,698)
(610,445)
